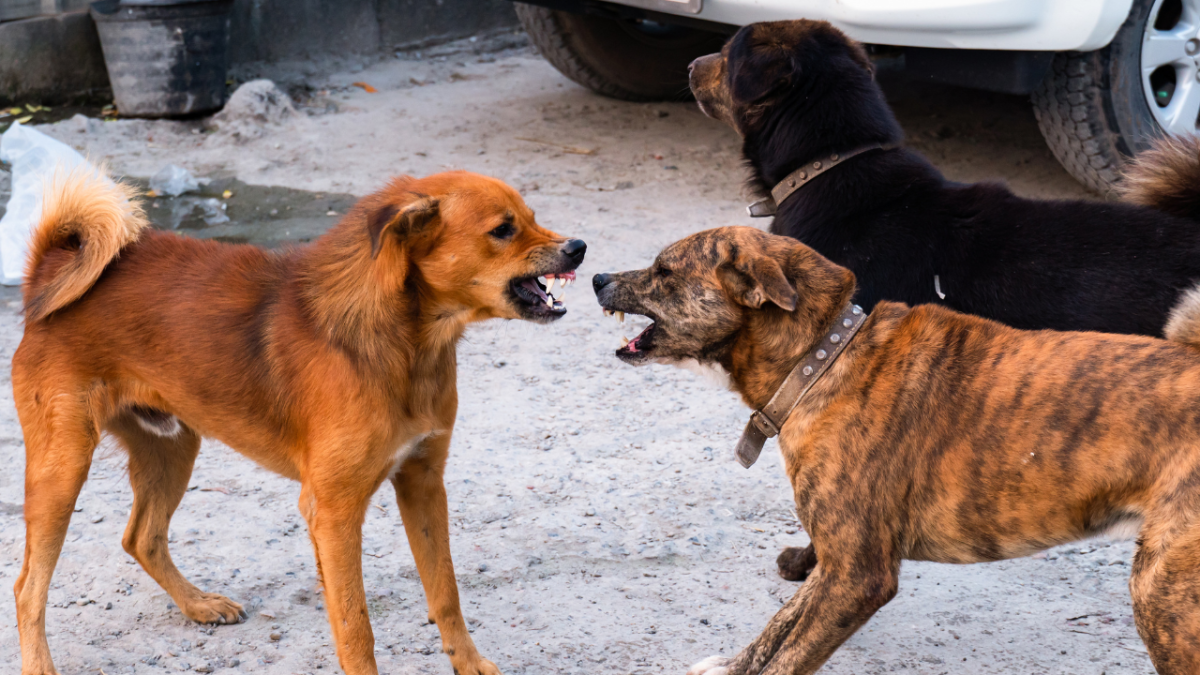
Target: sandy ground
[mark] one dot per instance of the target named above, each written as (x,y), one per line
(598,522)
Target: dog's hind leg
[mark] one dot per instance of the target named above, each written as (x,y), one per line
(60,437)
(421,496)
(831,605)
(159,469)
(1165,588)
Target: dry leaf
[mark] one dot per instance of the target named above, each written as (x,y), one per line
(24,119)
(227,194)
(571,149)
(365,87)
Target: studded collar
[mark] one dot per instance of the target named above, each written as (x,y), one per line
(800,177)
(767,422)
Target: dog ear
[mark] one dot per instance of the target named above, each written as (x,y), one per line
(403,221)
(759,70)
(754,280)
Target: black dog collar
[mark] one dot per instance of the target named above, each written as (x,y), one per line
(767,422)
(798,178)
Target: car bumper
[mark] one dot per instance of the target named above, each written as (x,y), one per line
(1034,25)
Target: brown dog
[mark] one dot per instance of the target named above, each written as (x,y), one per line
(937,435)
(333,364)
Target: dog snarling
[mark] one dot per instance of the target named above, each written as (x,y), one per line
(332,363)
(936,436)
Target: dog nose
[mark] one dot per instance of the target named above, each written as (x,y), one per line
(600,281)
(574,249)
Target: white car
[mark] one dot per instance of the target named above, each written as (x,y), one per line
(1105,76)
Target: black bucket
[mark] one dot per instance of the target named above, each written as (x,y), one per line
(165,58)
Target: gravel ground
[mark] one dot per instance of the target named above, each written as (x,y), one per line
(598,522)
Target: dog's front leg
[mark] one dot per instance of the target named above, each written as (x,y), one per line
(334,511)
(421,495)
(828,609)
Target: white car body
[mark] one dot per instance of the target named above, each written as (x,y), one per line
(1032,25)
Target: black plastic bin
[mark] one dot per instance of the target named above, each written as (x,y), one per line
(165,58)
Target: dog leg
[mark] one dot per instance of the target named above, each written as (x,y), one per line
(421,495)
(334,510)
(795,564)
(1164,588)
(827,610)
(59,441)
(159,469)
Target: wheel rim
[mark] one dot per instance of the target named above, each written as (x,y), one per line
(1170,62)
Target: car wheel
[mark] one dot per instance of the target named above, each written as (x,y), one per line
(630,59)
(1096,109)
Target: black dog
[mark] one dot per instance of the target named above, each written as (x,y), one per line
(819,135)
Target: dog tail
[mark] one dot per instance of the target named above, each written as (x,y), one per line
(1183,324)
(1166,177)
(86,220)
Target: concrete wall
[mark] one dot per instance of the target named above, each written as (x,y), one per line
(57,59)
(51,60)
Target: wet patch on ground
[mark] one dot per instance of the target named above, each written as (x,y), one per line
(226,209)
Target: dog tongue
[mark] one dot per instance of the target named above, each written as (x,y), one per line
(533,286)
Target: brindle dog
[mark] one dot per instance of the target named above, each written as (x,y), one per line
(938,435)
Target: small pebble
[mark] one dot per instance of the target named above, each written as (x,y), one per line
(276,637)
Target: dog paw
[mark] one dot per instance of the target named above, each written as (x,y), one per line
(213,608)
(713,665)
(480,667)
(795,564)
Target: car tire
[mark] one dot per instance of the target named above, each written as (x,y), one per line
(1092,107)
(622,58)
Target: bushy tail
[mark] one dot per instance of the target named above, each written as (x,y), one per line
(1183,324)
(1166,177)
(87,219)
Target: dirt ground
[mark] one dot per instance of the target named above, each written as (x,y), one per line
(599,524)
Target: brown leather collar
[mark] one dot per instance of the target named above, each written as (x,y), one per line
(767,422)
(800,177)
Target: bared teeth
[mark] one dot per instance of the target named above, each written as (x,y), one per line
(608,312)
(621,317)
(624,341)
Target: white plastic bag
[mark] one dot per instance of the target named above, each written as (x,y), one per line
(172,180)
(33,156)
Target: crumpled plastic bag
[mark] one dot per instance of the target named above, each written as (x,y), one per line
(34,157)
(173,180)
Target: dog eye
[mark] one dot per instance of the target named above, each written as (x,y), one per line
(503,232)
(664,271)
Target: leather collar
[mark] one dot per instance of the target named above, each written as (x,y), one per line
(767,422)
(800,177)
